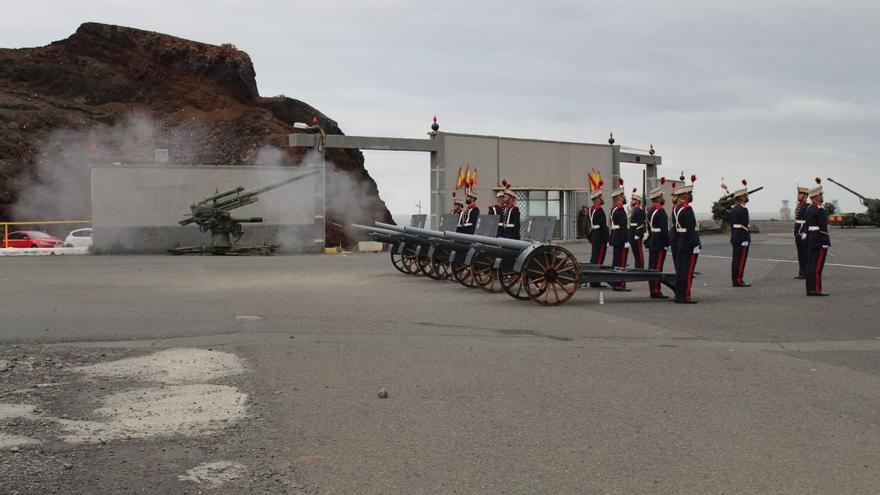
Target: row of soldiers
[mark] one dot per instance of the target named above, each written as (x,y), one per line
(647,228)
(505,208)
(652,228)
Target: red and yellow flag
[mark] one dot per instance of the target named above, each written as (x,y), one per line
(459,180)
(595,179)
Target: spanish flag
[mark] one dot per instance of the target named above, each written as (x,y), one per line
(459,180)
(595,179)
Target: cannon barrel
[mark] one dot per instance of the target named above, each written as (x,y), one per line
(730,196)
(242,197)
(489,241)
(219,195)
(388,226)
(376,230)
(850,190)
(425,232)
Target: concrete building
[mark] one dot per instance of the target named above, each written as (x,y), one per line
(550,177)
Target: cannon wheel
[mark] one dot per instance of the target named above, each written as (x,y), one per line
(512,284)
(423,265)
(409,260)
(482,266)
(551,275)
(397,261)
(463,275)
(440,264)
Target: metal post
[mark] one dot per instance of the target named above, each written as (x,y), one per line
(5,235)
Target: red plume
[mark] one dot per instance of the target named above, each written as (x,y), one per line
(635,190)
(453,194)
(818,180)
(724,186)
(693,178)
(601,183)
(504,183)
(620,181)
(662,180)
(745,183)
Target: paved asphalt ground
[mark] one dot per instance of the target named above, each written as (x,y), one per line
(756,390)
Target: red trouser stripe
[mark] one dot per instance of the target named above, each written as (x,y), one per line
(655,286)
(690,277)
(742,264)
(819,261)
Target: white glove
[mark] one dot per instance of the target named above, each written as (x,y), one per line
(697,250)
(626,245)
(745,243)
(803,236)
(826,246)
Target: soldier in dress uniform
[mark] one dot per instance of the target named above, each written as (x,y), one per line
(619,233)
(657,235)
(598,230)
(673,229)
(818,241)
(800,232)
(740,237)
(510,223)
(637,229)
(457,209)
(471,213)
(687,243)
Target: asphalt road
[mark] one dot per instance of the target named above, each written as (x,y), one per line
(754,390)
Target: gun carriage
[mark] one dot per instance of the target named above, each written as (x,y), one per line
(870,217)
(538,270)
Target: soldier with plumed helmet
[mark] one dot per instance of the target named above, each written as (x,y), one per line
(800,232)
(510,221)
(637,228)
(818,241)
(619,226)
(687,242)
(657,236)
(740,237)
(598,229)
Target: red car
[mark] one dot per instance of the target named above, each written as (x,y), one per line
(31,239)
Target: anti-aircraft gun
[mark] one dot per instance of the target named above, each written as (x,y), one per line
(870,217)
(213,214)
(721,209)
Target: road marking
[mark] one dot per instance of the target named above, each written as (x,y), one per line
(793,261)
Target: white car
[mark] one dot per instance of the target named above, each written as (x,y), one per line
(79,238)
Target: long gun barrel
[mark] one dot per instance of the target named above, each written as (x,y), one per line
(729,196)
(850,190)
(219,195)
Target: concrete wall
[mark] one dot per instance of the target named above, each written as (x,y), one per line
(135,209)
(550,165)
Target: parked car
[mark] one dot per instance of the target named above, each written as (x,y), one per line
(79,238)
(31,239)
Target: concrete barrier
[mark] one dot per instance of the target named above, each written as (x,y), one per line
(370,247)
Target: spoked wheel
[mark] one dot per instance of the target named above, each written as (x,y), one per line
(440,264)
(551,275)
(397,261)
(463,275)
(483,268)
(423,265)
(409,260)
(512,284)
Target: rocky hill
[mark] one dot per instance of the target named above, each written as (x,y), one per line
(115,94)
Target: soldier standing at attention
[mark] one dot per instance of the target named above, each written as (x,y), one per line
(457,209)
(637,229)
(598,231)
(740,237)
(657,235)
(510,224)
(471,213)
(619,233)
(687,243)
(818,241)
(673,231)
(800,233)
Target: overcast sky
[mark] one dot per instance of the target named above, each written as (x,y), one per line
(773,92)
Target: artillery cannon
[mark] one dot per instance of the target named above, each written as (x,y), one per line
(869,217)
(525,269)
(721,208)
(213,214)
